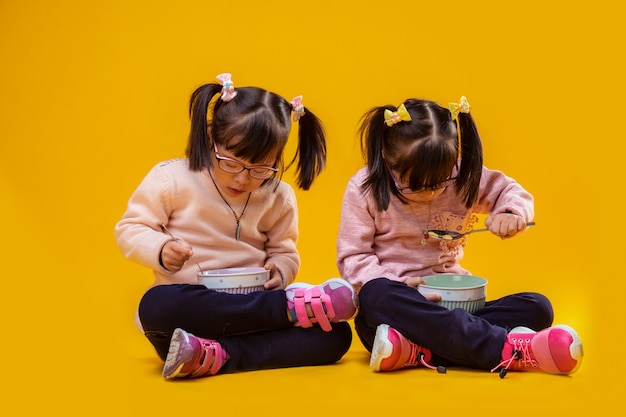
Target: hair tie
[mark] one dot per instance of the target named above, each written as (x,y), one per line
(228,88)
(462,106)
(393,117)
(297,107)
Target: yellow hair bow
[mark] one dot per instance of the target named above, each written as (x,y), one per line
(462,106)
(393,117)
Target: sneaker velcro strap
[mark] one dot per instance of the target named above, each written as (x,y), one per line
(212,361)
(319,300)
(300,296)
(320,304)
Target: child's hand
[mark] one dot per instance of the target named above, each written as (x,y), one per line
(505,225)
(276,279)
(415,282)
(174,254)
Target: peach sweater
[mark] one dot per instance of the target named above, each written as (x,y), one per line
(188,203)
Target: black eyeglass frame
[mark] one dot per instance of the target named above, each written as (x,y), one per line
(268,173)
(409,190)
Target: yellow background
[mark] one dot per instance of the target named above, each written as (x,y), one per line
(95,92)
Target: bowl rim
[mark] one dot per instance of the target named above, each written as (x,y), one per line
(447,288)
(232,272)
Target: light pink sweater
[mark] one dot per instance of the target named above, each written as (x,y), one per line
(374,244)
(191,208)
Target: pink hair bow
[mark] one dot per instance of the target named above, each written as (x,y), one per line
(298,108)
(228,88)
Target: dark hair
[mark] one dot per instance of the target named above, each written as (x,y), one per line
(254,125)
(424,150)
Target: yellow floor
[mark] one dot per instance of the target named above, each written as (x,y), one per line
(121,374)
(350,387)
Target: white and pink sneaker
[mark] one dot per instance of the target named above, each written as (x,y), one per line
(392,351)
(556,350)
(192,356)
(329,302)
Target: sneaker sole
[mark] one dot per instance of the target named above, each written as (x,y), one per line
(576,348)
(178,354)
(296,285)
(382,347)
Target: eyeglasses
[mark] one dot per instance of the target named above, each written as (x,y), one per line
(232,166)
(409,190)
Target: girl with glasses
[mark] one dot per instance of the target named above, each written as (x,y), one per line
(225,206)
(425,173)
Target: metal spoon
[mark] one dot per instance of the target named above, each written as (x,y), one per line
(165,229)
(450,235)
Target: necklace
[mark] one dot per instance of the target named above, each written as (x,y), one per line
(424,230)
(237,217)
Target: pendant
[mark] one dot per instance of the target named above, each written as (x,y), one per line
(424,237)
(238,232)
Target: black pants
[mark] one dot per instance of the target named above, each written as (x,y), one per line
(253,329)
(454,337)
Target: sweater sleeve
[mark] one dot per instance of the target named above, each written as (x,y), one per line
(356,257)
(283,235)
(138,233)
(502,194)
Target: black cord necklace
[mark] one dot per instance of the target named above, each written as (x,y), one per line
(424,230)
(237,218)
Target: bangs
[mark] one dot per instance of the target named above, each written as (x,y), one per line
(258,138)
(428,163)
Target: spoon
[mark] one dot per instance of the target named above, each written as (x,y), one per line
(450,235)
(165,229)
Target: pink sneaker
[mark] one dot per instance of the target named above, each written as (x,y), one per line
(329,302)
(192,356)
(393,351)
(556,350)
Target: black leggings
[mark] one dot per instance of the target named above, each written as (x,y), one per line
(454,337)
(254,329)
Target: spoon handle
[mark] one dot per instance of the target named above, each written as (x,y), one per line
(166,230)
(486,229)
(476,231)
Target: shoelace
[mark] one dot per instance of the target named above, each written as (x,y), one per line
(521,355)
(417,357)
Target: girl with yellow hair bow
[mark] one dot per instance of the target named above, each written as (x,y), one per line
(402,219)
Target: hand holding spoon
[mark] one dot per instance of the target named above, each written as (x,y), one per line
(165,229)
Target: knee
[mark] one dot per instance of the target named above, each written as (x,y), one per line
(156,306)
(374,293)
(540,305)
(342,339)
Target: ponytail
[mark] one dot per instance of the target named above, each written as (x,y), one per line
(471,152)
(311,152)
(198,150)
(372,132)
